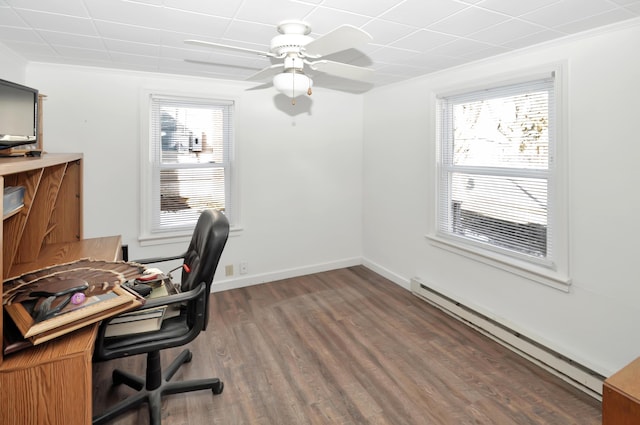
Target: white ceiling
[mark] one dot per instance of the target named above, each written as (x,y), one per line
(410,37)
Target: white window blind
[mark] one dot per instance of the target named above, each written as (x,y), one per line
(496,167)
(190,147)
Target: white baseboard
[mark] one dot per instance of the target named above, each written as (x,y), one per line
(386,273)
(575,374)
(256,279)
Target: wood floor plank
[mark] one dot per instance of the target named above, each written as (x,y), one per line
(349,347)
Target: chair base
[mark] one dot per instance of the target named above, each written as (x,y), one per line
(156,384)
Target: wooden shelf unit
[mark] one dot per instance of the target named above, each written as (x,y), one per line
(621,396)
(52,211)
(50,383)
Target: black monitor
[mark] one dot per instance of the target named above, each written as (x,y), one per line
(18,115)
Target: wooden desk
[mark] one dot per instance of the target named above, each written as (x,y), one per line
(621,396)
(51,383)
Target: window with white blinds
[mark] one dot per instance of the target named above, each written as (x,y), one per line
(496,168)
(190,143)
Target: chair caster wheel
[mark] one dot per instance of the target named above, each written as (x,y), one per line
(217,389)
(189,357)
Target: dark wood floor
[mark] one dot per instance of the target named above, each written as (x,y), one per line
(349,347)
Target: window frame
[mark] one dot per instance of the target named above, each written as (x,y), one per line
(148,170)
(553,272)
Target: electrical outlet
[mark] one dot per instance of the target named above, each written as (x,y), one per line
(228,270)
(244,267)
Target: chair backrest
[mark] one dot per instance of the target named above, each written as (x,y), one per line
(204,251)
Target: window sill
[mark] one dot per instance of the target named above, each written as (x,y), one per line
(177,237)
(529,271)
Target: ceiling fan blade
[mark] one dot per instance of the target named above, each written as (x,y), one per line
(228,47)
(261,86)
(342,70)
(251,68)
(341,38)
(267,72)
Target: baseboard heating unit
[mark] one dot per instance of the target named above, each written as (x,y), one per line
(575,374)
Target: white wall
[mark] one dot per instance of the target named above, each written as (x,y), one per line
(304,203)
(13,66)
(299,173)
(596,323)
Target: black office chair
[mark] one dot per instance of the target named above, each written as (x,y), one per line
(201,258)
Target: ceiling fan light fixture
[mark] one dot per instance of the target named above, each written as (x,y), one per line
(292,84)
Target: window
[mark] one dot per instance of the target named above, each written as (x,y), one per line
(189,161)
(496,171)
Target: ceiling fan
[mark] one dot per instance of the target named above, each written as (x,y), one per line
(298,51)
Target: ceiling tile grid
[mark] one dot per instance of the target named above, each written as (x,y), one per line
(410,37)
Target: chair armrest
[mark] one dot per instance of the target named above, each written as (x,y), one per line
(167,300)
(176,298)
(158,259)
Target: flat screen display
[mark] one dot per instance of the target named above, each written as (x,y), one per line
(18,114)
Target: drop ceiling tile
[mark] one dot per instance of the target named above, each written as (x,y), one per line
(420,13)
(567,11)
(272,11)
(73,52)
(387,32)
(8,17)
(125,58)
(533,39)
(127,12)
(507,30)
(434,61)
(362,7)
(126,32)
(459,47)
(468,21)
(66,7)
(56,22)
(423,40)
(22,35)
(404,31)
(323,20)
(384,79)
(258,34)
(127,47)
(71,40)
(625,2)
(478,54)
(515,8)
(195,23)
(602,19)
(31,51)
(635,8)
(224,9)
